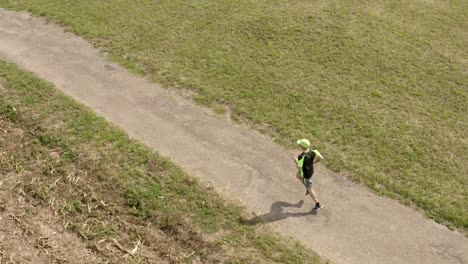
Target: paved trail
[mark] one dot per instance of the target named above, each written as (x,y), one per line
(355,226)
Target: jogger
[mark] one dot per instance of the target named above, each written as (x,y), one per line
(305,164)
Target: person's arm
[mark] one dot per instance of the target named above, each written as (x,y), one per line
(295,161)
(318,156)
(298,166)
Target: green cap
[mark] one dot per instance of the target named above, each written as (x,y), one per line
(304,142)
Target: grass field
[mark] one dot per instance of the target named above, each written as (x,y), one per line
(107,186)
(379,86)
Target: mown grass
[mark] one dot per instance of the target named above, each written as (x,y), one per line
(379,86)
(118,168)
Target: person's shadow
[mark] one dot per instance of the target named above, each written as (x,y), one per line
(276,213)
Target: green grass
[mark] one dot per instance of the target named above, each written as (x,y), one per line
(379,86)
(151,189)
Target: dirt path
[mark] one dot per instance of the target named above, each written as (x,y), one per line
(355,226)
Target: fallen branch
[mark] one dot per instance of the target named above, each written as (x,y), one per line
(55,183)
(131,252)
(16,218)
(189,255)
(82,235)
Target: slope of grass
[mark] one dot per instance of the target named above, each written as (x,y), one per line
(379,86)
(73,159)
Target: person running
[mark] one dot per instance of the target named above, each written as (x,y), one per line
(305,164)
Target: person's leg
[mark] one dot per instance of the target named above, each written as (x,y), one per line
(313,195)
(310,191)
